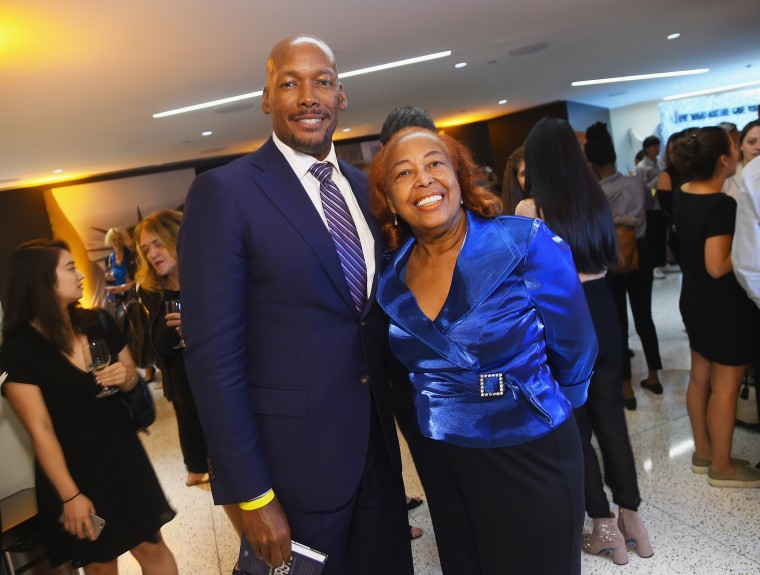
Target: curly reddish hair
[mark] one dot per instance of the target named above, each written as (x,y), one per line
(474,197)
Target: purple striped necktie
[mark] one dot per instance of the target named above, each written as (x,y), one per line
(343,232)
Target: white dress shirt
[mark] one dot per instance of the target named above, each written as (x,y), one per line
(745,252)
(732,186)
(300,163)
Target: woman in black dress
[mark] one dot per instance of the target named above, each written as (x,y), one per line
(715,309)
(88,457)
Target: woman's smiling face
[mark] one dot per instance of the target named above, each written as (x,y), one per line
(422,183)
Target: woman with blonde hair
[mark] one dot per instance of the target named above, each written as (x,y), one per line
(120,265)
(158,283)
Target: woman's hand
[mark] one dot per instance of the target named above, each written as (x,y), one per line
(76,517)
(114,375)
(175,320)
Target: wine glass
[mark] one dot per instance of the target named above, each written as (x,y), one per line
(100,357)
(174,306)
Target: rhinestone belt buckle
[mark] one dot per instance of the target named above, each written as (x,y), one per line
(491,384)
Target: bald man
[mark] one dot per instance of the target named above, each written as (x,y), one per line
(285,343)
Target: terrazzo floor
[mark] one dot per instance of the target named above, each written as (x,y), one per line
(695,529)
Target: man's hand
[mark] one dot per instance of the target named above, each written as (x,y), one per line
(268,532)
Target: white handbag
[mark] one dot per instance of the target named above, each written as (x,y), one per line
(746,405)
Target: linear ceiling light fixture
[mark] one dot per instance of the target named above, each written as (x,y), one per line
(641,77)
(711,90)
(359,72)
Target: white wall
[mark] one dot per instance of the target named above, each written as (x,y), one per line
(629,126)
(16,454)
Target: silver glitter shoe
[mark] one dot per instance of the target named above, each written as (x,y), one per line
(606,537)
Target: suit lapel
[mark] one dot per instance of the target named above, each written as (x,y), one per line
(279,183)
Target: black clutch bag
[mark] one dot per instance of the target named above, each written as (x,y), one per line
(139,405)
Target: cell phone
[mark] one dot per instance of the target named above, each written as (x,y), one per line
(98,523)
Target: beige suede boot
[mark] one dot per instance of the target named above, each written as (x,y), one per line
(634,532)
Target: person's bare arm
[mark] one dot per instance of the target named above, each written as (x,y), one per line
(663,182)
(718,255)
(28,403)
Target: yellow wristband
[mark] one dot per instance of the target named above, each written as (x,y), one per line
(257,503)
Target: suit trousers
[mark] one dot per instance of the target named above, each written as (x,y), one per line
(370,533)
(637,286)
(604,416)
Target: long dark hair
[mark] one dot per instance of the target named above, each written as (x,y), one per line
(512,194)
(568,195)
(30,293)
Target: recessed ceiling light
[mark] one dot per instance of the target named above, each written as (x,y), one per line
(502,102)
(460,65)
(58,171)
(674,36)
(711,90)
(640,77)
(377,68)
(346,129)
(207,133)
(396,64)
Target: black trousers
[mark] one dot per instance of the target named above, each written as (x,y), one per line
(369,535)
(604,416)
(637,286)
(520,507)
(192,442)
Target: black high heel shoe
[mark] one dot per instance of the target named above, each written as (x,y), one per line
(655,387)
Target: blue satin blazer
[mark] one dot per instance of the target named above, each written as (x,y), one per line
(513,348)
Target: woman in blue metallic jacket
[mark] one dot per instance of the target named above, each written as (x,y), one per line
(489,317)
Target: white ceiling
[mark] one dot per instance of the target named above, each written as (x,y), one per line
(80,80)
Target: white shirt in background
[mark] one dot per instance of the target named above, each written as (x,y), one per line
(745,252)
